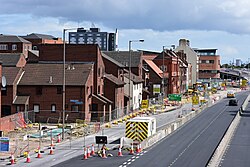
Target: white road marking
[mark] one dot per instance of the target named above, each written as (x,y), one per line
(137,157)
(124,163)
(133,160)
(69,153)
(133,157)
(53,159)
(129,163)
(197,137)
(129,160)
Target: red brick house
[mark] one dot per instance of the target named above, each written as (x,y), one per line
(12,75)
(136,70)
(82,53)
(114,84)
(41,86)
(14,44)
(37,39)
(155,76)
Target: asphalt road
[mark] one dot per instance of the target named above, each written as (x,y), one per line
(190,146)
(238,151)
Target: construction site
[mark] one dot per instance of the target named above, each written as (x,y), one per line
(27,139)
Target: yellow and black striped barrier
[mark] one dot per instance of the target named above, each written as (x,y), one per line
(137,131)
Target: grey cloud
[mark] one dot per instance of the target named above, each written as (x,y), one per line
(135,14)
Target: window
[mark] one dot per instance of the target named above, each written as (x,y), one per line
(59,90)
(18,108)
(3,47)
(75,108)
(211,61)
(203,61)
(36,108)
(99,72)
(99,89)
(14,47)
(4,91)
(34,47)
(39,90)
(53,108)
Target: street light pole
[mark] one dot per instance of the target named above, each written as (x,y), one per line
(129,89)
(163,70)
(64,81)
(63,107)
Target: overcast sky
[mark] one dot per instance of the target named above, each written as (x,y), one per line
(221,24)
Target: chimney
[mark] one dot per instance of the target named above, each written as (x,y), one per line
(184,42)
(50,79)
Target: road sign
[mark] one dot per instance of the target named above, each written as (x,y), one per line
(156,89)
(195,100)
(144,104)
(77,102)
(101,139)
(4,144)
(174,97)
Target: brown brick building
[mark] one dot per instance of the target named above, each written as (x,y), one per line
(37,39)
(40,91)
(114,84)
(209,64)
(82,53)
(14,44)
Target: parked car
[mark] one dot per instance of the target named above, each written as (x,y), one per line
(233,102)
(230,94)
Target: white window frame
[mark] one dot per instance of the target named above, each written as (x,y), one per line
(14,47)
(36,108)
(53,108)
(3,47)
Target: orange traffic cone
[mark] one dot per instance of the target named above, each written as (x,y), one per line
(104,153)
(140,147)
(39,153)
(131,152)
(58,138)
(137,148)
(52,143)
(120,151)
(12,160)
(92,150)
(85,157)
(28,158)
(88,152)
(51,152)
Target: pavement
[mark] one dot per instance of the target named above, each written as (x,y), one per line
(69,149)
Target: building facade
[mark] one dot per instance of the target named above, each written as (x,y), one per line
(105,40)
(14,44)
(37,39)
(209,64)
(192,58)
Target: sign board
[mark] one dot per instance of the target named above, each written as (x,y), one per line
(174,97)
(4,144)
(156,89)
(76,102)
(101,139)
(244,83)
(195,100)
(144,104)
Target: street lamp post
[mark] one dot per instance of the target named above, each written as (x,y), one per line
(63,107)
(130,42)
(163,70)
(64,78)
